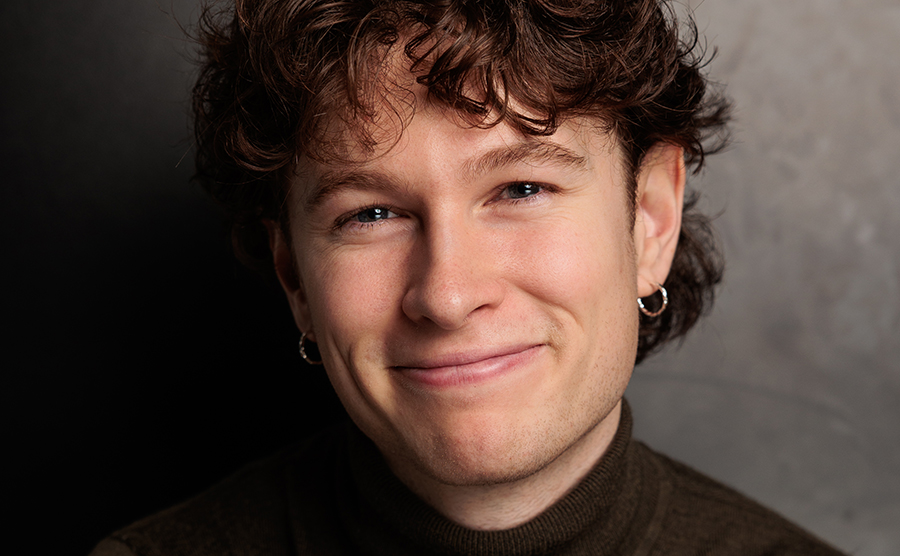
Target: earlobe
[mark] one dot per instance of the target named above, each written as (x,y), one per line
(286,271)
(660,199)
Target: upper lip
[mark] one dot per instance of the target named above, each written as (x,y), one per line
(459,358)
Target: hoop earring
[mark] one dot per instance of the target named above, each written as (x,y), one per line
(303,353)
(665,303)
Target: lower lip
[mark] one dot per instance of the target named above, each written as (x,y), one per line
(471,373)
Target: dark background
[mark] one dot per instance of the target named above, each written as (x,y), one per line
(142,363)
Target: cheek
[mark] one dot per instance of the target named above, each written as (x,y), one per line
(353,298)
(586,269)
(351,293)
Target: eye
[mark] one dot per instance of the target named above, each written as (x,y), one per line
(522,190)
(373,214)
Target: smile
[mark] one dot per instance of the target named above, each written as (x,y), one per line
(468,368)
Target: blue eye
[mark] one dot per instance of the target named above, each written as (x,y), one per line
(373,214)
(521,190)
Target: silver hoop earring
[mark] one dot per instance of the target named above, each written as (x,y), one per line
(303,353)
(665,303)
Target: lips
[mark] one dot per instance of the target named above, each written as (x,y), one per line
(460,369)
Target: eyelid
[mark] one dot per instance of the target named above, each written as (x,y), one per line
(345,218)
(502,195)
(544,188)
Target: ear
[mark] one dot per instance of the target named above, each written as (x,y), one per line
(660,198)
(288,277)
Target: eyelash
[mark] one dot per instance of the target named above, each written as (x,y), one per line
(348,217)
(542,189)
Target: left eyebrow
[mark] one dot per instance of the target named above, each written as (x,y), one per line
(531,152)
(334,182)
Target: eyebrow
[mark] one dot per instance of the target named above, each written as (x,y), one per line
(527,152)
(332,182)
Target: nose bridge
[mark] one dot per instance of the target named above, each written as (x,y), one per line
(455,274)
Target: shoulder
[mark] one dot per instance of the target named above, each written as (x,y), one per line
(703,516)
(247,513)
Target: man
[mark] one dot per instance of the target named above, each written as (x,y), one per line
(475,211)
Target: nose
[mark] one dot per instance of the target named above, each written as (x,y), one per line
(455,273)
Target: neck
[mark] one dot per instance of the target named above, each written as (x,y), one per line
(507,505)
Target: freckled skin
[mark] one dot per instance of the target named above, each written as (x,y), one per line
(455,263)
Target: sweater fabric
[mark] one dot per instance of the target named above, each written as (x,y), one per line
(334,495)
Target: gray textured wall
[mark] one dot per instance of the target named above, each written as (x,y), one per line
(791,389)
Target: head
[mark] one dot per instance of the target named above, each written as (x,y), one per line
(462,201)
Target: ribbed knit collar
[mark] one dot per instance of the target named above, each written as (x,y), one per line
(605,513)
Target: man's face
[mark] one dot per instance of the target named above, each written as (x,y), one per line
(472,293)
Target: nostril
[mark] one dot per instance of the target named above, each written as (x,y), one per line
(440,301)
(448,298)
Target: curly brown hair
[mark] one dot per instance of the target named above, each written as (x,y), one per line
(276,75)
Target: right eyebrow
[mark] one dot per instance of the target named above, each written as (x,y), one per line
(334,182)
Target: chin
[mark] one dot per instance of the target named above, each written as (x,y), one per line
(508,469)
(491,458)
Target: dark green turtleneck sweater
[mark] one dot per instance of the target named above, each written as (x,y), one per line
(335,496)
